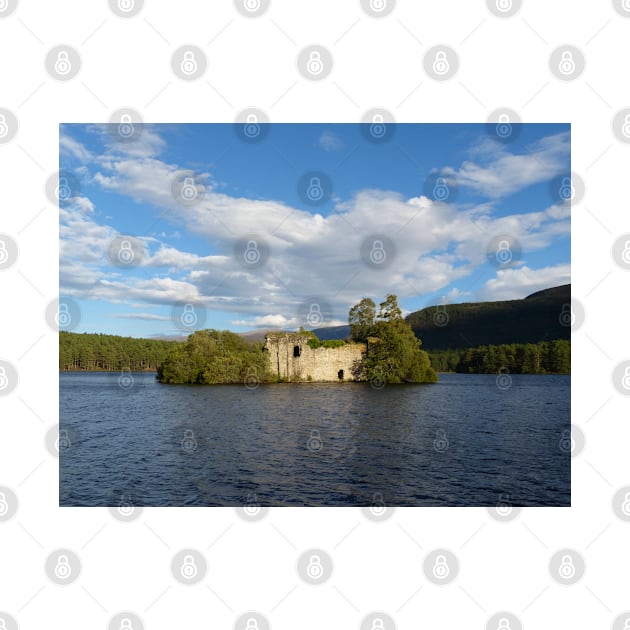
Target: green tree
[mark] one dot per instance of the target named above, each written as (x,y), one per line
(361,319)
(393,352)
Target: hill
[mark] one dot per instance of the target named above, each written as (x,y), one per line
(529,320)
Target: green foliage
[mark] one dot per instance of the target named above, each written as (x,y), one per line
(361,319)
(213,356)
(536,318)
(315,343)
(394,353)
(548,357)
(96,352)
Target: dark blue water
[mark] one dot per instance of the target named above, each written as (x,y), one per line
(463,441)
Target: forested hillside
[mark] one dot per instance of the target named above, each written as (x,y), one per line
(542,316)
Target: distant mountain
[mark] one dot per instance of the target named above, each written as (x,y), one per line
(541,316)
(538,317)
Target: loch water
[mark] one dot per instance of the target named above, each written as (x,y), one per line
(466,441)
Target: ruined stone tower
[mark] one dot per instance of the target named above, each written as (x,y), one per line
(292,358)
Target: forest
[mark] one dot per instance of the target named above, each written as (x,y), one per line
(548,357)
(96,352)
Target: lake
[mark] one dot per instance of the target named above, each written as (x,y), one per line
(462,442)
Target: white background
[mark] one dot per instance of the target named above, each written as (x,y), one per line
(251,62)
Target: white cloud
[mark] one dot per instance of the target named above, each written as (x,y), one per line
(311,255)
(68,146)
(499,173)
(329,141)
(511,284)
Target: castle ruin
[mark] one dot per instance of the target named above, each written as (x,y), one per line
(292,358)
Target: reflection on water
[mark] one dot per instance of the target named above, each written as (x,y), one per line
(463,441)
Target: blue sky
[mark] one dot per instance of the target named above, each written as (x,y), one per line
(187,256)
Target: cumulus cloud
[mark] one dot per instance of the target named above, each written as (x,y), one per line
(311,255)
(511,284)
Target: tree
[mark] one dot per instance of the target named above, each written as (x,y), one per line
(393,353)
(361,319)
(389,309)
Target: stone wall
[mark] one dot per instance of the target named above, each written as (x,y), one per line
(291,357)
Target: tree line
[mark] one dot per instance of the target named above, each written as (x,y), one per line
(89,351)
(547,357)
